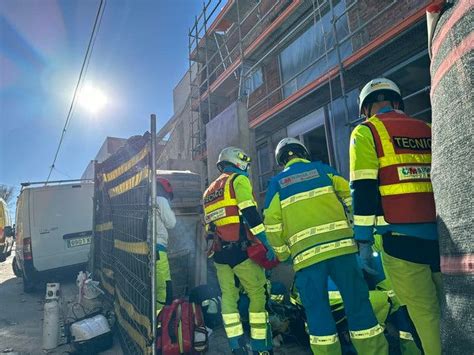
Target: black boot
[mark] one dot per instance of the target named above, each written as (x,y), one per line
(264,352)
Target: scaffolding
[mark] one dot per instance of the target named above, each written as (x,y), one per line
(218,43)
(231,43)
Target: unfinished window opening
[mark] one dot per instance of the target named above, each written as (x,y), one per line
(316,143)
(254,81)
(311,130)
(265,166)
(413,78)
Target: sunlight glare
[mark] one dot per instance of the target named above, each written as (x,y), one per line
(92,99)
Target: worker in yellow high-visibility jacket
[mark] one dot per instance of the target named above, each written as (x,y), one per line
(231,216)
(390,162)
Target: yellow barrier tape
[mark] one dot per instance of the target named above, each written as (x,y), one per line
(122,169)
(134,314)
(107,272)
(132,332)
(103,227)
(140,248)
(130,183)
(108,287)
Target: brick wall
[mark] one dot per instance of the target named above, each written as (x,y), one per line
(271,81)
(365,10)
(267,10)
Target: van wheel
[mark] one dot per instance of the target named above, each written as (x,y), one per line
(28,285)
(15,268)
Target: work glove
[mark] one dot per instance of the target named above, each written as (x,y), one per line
(262,237)
(366,258)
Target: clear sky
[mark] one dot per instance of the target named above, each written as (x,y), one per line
(140,54)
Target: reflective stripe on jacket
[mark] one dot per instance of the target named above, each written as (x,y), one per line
(403,147)
(220,208)
(228,202)
(305,214)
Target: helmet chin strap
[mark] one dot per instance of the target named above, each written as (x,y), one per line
(369,110)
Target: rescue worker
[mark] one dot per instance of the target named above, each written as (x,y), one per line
(396,312)
(387,309)
(307,226)
(165,220)
(231,216)
(390,156)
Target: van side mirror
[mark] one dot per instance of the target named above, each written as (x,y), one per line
(8,231)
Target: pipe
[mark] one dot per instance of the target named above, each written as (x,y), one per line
(152,238)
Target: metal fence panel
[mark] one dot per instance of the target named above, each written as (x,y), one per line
(121,250)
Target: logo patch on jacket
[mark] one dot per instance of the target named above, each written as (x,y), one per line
(215,215)
(414,172)
(214,196)
(412,143)
(293,179)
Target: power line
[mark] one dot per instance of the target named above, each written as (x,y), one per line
(63,173)
(85,64)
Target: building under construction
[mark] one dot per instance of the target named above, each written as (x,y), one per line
(269,69)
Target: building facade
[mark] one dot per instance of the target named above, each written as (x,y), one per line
(109,147)
(270,69)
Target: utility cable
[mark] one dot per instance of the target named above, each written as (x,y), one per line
(90,46)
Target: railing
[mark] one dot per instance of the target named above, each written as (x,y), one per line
(364,22)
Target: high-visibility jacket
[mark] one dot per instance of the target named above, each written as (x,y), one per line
(403,147)
(306,214)
(382,168)
(228,202)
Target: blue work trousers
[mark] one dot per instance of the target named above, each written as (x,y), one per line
(312,285)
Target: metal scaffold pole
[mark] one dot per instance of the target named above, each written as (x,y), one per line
(152,238)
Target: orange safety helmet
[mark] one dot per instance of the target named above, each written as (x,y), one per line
(165,186)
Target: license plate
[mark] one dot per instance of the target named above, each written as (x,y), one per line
(77,242)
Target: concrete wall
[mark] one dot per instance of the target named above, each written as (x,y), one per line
(229,128)
(194,166)
(182,90)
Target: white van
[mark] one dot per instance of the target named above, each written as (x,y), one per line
(6,232)
(53,229)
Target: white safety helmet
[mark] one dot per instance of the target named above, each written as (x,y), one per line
(380,89)
(288,147)
(234,156)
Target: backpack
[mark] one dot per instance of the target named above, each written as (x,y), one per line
(182,329)
(209,298)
